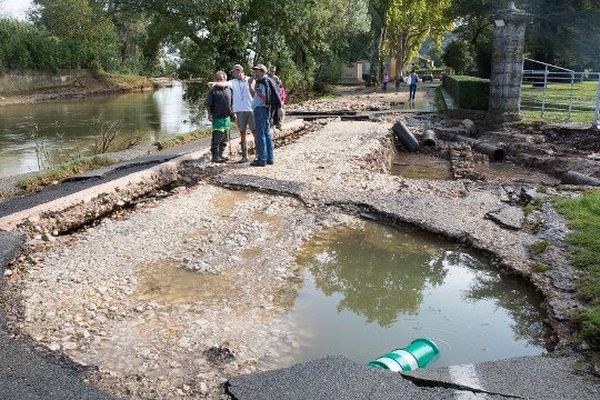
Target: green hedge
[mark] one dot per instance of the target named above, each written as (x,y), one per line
(468,92)
(26,47)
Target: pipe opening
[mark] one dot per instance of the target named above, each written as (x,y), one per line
(499,155)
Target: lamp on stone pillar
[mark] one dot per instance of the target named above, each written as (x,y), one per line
(507,63)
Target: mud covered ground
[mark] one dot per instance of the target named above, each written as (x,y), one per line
(175,296)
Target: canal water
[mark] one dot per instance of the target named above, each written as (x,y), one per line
(374,289)
(66,129)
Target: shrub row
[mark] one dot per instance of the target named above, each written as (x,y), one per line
(25,47)
(468,92)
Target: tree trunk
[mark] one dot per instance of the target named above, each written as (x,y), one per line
(377,11)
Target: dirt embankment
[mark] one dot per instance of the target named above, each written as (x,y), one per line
(84,84)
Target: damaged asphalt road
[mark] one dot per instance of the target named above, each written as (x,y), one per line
(344,172)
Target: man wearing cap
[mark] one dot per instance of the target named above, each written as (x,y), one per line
(262,117)
(219,104)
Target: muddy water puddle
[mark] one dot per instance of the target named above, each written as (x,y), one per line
(418,166)
(165,282)
(508,172)
(225,201)
(373,289)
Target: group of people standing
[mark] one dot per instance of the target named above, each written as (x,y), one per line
(251,101)
(411,81)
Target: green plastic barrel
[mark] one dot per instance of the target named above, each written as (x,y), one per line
(424,350)
(414,356)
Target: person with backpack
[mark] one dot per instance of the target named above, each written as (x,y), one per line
(412,81)
(219,105)
(265,103)
(278,114)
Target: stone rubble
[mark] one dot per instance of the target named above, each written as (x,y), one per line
(190,288)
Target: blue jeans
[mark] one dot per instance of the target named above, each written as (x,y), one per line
(413,92)
(264,137)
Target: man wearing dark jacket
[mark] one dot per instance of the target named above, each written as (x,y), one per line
(219,104)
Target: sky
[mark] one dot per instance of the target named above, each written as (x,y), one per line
(14,8)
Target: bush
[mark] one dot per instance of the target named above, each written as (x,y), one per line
(468,92)
(26,47)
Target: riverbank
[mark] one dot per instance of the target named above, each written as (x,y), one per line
(82,85)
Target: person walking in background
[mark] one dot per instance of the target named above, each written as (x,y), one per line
(386,80)
(262,116)
(412,81)
(219,105)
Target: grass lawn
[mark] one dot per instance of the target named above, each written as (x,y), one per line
(583,215)
(558,96)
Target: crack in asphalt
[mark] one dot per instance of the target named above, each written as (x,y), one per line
(429,383)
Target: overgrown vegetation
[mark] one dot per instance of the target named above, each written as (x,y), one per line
(25,47)
(538,248)
(539,267)
(63,171)
(534,205)
(583,214)
(182,139)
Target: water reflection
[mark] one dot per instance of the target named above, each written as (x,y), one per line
(375,288)
(377,275)
(516,300)
(68,128)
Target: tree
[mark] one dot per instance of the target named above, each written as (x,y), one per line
(409,23)
(297,35)
(82,23)
(458,57)
(377,11)
(562,32)
(565,32)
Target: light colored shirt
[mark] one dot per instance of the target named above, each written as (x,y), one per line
(261,87)
(242,99)
(412,79)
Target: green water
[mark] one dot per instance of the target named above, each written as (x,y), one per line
(374,289)
(66,129)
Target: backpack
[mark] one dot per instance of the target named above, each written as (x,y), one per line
(273,98)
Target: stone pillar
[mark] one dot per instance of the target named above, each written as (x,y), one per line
(507,63)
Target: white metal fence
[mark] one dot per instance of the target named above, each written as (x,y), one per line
(551,92)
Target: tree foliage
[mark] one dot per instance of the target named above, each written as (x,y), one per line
(410,22)
(561,32)
(458,56)
(81,22)
(297,35)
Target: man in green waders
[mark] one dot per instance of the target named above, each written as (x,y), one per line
(219,104)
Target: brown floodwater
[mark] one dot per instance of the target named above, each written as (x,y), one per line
(40,135)
(420,166)
(165,282)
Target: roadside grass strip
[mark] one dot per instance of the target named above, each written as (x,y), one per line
(182,139)
(583,216)
(63,171)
